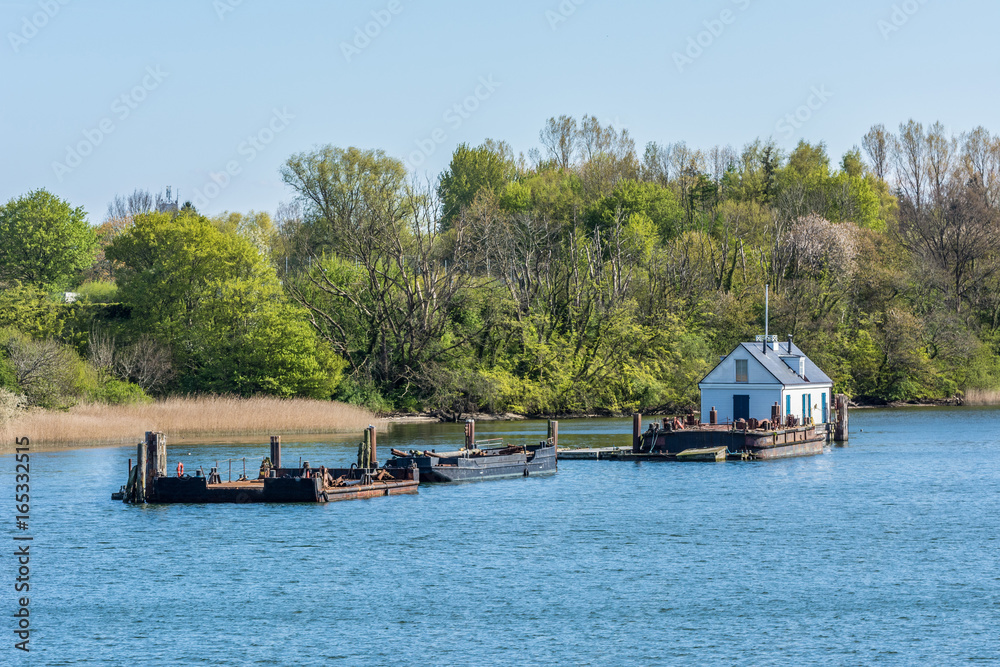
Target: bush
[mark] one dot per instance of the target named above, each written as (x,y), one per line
(8,380)
(117,392)
(97,291)
(50,374)
(11,405)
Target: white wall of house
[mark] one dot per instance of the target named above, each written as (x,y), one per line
(721,397)
(816,395)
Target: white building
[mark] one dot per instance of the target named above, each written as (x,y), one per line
(754,376)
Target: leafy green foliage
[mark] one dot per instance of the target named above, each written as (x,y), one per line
(31,310)
(97,291)
(44,241)
(588,282)
(118,392)
(215,301)
(488,167)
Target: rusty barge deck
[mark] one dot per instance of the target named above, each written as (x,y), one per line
(148,481)
(289,485)
(677,440)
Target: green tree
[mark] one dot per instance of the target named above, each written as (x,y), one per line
(489,166)
(43,240)
(344,192)
(218,304)
(636,198)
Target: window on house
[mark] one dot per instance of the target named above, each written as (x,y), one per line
(741,371)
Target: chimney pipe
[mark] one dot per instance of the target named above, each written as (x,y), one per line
(789,343)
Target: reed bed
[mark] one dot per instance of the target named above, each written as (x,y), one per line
(186,418)
(982,397)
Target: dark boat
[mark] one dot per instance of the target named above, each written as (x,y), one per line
(483,459)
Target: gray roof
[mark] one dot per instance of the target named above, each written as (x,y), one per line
(779,369)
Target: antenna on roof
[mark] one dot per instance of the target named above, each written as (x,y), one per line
(767,308)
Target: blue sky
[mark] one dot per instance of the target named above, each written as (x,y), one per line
(104,96)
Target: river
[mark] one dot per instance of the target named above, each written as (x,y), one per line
(886,551)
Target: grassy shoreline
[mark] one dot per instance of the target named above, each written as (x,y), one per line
(183,420)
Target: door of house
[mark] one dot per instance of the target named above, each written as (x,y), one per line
(741,407)
(822,401)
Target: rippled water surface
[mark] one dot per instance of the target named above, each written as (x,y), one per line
(883,552)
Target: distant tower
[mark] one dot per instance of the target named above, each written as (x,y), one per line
(167,204)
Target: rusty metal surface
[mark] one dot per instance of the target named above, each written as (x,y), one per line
(289,485)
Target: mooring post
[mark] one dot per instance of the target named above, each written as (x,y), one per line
(553,434)
(140,474)
(156,460)
(364,452)
(636,431)
(840,432)
(374,449)
(470,434)
(275,452)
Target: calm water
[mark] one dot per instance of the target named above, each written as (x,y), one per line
(883,552)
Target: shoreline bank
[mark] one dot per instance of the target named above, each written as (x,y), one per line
(183,420)
(240,428)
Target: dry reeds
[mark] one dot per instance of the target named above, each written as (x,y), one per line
(100,424)
(981,397)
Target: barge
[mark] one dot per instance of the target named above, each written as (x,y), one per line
(149,482)
(774,403)
(743,440)
(482,460)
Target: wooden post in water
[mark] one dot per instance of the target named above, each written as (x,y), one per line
(636,431)
(275,451)
(140,479)
(470,433)
(156,461)
(840,431)
(374,448)
(365,450)
(553,433)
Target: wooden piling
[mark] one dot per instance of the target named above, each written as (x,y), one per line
(140,480)
(636,431)
(152,462)
(470,433)
(275,452)
(840,431)
(374,449)
(553,434)
(365,460)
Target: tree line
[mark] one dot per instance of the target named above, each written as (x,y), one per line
(582,277)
